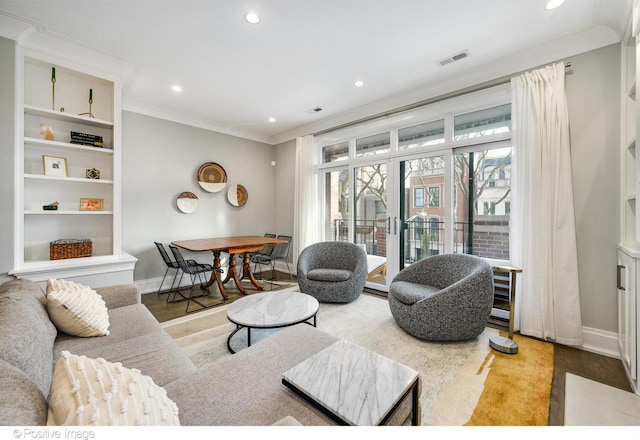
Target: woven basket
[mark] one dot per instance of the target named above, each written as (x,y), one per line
(70,248)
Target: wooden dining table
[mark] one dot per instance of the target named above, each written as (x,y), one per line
(245,245)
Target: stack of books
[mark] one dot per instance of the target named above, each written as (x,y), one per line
(86,139)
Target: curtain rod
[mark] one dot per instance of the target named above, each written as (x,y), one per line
(476,88)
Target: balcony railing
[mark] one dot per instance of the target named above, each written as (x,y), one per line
(489,237)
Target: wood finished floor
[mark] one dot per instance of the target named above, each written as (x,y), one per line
(603,369)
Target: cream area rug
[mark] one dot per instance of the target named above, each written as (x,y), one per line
(452,374)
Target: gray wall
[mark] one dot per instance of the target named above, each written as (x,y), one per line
(593,96)
(7,137)
(161,160)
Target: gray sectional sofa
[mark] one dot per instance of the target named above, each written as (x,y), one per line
(244,389)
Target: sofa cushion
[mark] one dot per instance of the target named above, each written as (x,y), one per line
(26,334)
(126,323)
(156,355)
(120,295)
(331,275)
(76,309)
(410,293)
(87,391)
(21,401)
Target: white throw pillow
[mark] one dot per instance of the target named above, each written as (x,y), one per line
(87,392)
(76,309)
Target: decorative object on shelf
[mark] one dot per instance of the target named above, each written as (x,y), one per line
(86,139)
(47,131)
(212,177)
(70,248)
(91,204)
(237,195)
(90,103)
(54,166)
(51,206)
(187,202)
(92,173)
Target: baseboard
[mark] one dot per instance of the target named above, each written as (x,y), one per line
(600,342)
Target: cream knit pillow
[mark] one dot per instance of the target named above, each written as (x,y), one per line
(87,391)
(76,309)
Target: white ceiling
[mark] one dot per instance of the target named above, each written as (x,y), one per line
(306,53)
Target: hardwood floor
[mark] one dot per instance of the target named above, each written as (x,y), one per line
(589,365)
(603,369)
(164,311)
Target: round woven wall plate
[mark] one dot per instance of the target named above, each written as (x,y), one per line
(237,195)
(212,177)
(187,202)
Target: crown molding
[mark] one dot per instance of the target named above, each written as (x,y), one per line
(37,38)
(144,108)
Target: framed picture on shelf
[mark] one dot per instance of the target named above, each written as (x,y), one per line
(54,166)
(91,204)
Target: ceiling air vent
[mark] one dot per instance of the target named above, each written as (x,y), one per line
(457,57)
(315,110)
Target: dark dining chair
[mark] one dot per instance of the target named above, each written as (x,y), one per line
(280,252)
(265,251)
(195,271)
(170,265)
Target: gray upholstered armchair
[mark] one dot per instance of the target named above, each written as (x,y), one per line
(332,271)
(444,297)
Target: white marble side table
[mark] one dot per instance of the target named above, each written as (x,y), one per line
(270,310)
(355,386)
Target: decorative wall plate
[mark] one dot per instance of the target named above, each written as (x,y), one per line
(187,202)
(212,177)
(237,195)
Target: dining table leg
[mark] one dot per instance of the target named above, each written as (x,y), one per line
(232,274)
(246,271)
(214,275)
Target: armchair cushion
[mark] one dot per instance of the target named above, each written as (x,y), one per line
(329,274)
(410,293)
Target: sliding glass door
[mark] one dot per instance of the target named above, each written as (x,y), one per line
(411,191)
(423,207)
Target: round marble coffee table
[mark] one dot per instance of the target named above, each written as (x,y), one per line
(270,310)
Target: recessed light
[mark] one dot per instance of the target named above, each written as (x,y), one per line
(358,83)
(252,18)
(176,88)
(552,4)
(272,119)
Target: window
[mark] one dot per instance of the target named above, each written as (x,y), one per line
(435,227)
(431,133)
(482,211)
(427,181)
(418,197)
(489,208)
(336,196)
(434,196)
(334,153)
(372,145)
(483,123)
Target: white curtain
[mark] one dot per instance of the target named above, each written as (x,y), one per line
(543,220)
(306,220)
